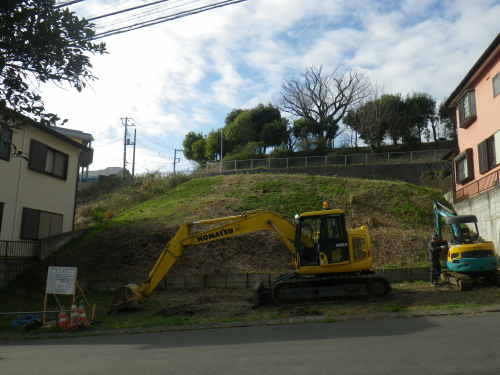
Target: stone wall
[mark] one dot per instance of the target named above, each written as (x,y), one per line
(391,172)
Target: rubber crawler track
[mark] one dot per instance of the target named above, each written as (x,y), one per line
(456,280)
(307,288)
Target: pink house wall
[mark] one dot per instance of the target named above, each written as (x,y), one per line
(488,117)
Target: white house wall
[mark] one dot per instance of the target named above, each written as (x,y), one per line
(21,187)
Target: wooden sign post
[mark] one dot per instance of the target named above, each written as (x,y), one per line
(62,280)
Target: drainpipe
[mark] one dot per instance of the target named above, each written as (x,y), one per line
(18,190)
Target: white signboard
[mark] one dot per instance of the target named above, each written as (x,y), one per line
(61,280)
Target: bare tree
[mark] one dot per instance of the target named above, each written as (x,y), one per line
(370,117)
(323,98)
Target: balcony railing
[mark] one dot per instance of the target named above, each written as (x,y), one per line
(486,183)
(19,250)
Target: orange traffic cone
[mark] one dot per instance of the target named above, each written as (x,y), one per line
(63,319)
(75,318)
(83,317)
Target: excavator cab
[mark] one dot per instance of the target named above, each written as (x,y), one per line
(321,234)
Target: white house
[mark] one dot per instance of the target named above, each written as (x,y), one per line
(38,195)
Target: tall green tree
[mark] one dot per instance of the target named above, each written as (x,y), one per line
(274,133)
(397,122)
(198,150)
(40,43)
(213,145)
(241,131)
(188,142)
(262,115)
(447,119)
(420,109)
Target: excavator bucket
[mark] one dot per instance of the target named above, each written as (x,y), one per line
(261,294)
(125,298)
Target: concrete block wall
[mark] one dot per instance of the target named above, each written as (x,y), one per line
(240,281)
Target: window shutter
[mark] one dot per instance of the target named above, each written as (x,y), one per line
(472,103)
(38,152)
(461,111)
(483,156)
(490,147)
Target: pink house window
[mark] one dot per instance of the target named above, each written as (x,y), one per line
(467,109)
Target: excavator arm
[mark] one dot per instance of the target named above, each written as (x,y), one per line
(131,295)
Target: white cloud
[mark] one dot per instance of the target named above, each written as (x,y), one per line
(189,73)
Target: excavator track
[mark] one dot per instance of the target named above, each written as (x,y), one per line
(458,281)
(292,288)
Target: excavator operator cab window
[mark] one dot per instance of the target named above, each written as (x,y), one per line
(322,234)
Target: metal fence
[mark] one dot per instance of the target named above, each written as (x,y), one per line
(32,274)
(325,161)
(478,186)
(19,250)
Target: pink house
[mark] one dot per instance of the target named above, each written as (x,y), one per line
(477,160)
(477,102)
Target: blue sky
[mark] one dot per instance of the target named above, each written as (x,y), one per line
(188,74)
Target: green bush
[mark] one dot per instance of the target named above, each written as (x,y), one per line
(444,173)
(98,216)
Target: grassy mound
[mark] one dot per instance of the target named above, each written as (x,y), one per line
(127,246)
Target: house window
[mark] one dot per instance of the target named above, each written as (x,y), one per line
(464,166)
(489,152)
(47,160)
(1,215)
(38,224)
(467,109)
(496,85)
(5,140)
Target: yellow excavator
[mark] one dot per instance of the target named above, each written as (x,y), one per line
(330,260)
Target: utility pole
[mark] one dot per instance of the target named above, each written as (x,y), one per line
(220,151)
(126,142)
(175,158)
(133,157)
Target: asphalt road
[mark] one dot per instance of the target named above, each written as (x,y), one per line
(457,344)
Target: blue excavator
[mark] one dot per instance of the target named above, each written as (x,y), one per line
(468,257)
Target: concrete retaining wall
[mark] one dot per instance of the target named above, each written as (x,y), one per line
(486,206)
(391,172)
(51,244)
(240,281)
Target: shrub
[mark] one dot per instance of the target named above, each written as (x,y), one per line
(98,216)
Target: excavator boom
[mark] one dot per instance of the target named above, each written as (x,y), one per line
(131,295)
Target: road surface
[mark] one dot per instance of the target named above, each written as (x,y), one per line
(459,344)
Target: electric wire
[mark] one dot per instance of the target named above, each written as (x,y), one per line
(164,18)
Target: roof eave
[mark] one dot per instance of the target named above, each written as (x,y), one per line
(478,67)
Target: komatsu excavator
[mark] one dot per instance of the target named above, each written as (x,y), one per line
(330,260)
(468,256)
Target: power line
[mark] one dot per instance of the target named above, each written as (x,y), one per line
(108,143)
(166,18)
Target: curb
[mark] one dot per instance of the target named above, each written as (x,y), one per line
(301,320)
